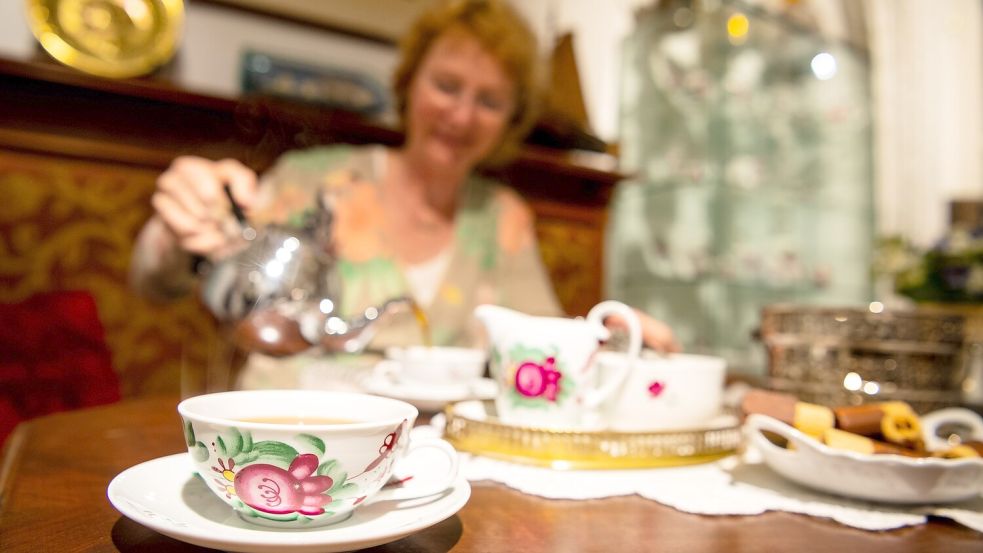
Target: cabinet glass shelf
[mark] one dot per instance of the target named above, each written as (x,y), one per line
(751,163)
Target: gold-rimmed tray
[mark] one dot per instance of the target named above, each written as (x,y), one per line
(473,426)
(108,38)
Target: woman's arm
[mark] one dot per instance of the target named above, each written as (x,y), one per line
(192,217)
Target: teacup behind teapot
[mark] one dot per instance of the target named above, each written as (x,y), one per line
(545,366)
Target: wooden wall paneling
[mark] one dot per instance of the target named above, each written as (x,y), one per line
(67,224)
(571,241)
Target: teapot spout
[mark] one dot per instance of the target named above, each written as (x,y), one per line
(352,336)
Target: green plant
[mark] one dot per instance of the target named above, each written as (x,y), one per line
(951,271)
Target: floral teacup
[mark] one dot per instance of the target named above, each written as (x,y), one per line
(664,392)
(304,458)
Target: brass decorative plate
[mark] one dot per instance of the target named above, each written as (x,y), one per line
(108,38)
(473,427)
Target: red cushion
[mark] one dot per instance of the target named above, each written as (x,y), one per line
(53,357)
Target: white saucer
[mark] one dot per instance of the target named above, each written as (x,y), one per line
(428,398)
(166,495)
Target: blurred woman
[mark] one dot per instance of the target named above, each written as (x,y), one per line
(413,220)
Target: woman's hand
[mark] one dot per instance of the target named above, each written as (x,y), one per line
(192,205)
(655,333)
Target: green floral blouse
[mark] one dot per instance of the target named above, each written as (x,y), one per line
(494,256)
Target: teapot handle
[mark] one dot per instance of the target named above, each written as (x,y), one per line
(614,380)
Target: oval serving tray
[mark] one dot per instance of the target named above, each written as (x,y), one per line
(472,426)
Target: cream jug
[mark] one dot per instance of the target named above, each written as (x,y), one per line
(545,366)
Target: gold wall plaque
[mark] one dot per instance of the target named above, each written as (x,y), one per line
(108,38)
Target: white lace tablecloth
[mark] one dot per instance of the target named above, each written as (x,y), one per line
(737,485)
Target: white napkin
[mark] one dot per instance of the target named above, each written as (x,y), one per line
(736,485)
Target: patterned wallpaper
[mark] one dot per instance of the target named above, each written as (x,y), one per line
(69,225)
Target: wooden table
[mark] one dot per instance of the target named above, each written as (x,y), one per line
(56,469)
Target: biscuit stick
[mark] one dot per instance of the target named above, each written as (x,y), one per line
(840,439)
(808,418)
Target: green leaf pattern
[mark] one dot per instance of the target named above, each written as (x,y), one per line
(274,453)
(333,469)
(313,444)
(197,450)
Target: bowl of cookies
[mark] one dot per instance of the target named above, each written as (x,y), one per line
(883,452)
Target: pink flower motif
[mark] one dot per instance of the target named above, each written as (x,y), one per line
(535,380)
(388,445)
(271,489)
(656,388)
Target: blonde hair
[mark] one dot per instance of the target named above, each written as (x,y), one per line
(503,33)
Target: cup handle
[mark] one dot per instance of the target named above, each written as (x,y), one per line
(429,488)
(755,424)
(596,317)
(952,415)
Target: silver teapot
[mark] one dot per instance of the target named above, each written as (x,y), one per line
(281,291)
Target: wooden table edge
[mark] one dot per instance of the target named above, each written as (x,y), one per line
(12,451)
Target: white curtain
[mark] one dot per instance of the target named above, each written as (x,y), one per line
(927,71)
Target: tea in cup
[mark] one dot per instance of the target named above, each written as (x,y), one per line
(305,458)
(545,366)
(664,392)
(432,366)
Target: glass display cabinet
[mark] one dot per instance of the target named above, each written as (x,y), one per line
(748,144)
